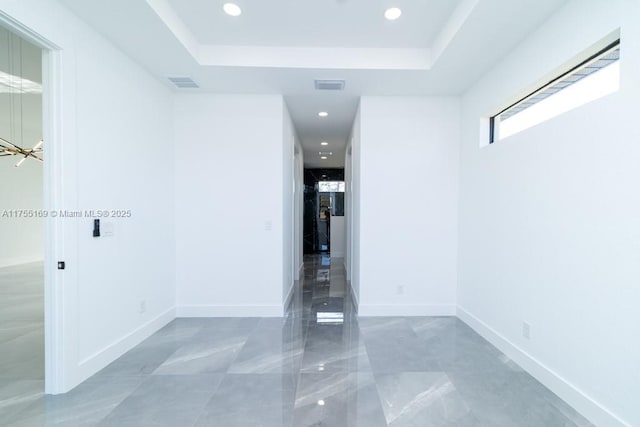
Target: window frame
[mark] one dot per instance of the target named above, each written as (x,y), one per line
(492,119)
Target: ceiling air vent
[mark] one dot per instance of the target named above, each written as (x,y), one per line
(184,82)
(329,84)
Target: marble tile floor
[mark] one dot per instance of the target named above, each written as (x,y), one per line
(296,372)
(21,337)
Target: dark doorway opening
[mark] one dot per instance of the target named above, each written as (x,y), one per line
(319,207)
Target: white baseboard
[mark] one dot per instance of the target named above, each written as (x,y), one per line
(356,301)
(580,401)
(100,359)
(406,310)
(11,262)
(287,300)
(229,311)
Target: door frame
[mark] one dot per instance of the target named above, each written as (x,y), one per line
(53,191)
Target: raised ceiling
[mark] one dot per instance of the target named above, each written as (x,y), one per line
(437,47)
(347,23)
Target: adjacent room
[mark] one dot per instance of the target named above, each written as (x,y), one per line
(337,213)
(21,219)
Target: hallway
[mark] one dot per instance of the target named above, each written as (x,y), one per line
(319,366)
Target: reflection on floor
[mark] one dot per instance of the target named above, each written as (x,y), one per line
(296,372)
(21,337)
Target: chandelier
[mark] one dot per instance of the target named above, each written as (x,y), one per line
(10,149)
(20,99)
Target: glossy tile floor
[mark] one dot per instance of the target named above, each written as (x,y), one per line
(296,372)
(21,338)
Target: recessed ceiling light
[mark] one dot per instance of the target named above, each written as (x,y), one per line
(392,13)
(323,114)
(232,9)
(321,402)
(323,157)
(324,143)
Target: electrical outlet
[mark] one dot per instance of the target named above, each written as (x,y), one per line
(400,290)
(143,307)
(526,330)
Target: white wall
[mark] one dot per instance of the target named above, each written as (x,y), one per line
(408,205)
(229,204)
(299,210)
(292,205)
(337,236)
(116,153)
(352,209)
(549,221)
(21,188)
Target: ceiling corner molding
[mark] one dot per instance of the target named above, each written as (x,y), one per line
(315,57)
(453,25)
(174,23)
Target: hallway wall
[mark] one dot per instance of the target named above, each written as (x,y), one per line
(117,153)
(549,229)
(292,205)
(408,205)
(230,204)
(352,208)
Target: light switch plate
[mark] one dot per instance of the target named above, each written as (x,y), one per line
(108,229)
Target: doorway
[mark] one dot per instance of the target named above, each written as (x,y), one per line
(47,280)
(324,211)
(22,216)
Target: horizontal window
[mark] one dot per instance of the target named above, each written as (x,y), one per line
(331,186)
(591,79)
